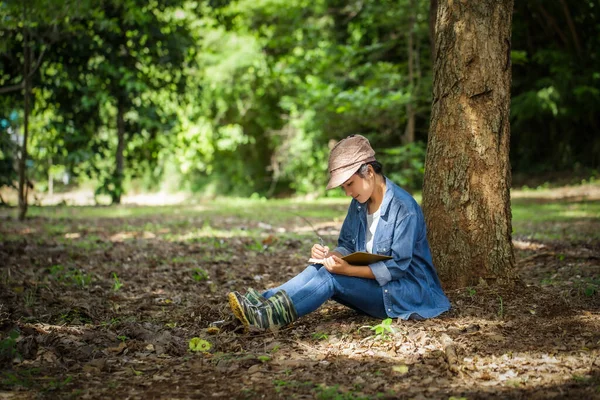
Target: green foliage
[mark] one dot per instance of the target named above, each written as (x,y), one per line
(472,292)
(405,165)
(320,336)
(199,345)
(23,378)
(70,276)
(29,298)
(555,91)
(117,284)
(200,274)
(8,346)
(58,384)
(589,286)
(382,330)
(245,97)
(8,150)
(325,392)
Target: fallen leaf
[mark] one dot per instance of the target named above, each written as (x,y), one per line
(401,369)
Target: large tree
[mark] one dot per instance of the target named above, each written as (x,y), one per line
(467,172)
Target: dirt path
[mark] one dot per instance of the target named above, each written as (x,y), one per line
(78,334)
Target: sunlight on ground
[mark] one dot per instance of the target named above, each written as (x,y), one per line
(526,245)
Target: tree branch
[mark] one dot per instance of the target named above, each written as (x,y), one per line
(19,86)
(552,22)
(571,27)
(12,88)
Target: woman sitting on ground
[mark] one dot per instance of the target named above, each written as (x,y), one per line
(382,219)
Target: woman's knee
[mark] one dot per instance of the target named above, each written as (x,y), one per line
(323,273)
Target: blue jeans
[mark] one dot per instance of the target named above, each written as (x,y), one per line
(315,285)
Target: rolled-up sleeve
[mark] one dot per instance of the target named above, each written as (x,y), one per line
(403,244)
(345,246)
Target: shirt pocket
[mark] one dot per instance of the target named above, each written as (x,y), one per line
(384,247)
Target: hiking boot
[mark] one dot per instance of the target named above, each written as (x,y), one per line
(254,297)
(276,311)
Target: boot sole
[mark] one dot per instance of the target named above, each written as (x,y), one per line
(237,309)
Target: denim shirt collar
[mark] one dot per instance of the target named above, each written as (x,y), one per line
(387,197)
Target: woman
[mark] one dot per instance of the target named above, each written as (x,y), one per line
(383,219)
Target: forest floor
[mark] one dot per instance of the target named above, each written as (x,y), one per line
(102,302)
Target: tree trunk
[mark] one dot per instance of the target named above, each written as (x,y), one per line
(116,195)
(409,132)
(23,160)
(50,180)
(466,196)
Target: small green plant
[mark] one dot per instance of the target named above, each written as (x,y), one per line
(255,245)
(200,274)
(275,349)
(280,384)
(4,276)
(382,330)
(117,284)
(334,393)
(58,384)
(8,346)
(74,316)
(113,321)
(75,277)
(29,298)
(589,287)
(581,378)
(181,260)
(548,281)
(122,338)
(22,378)
(57,271)
(199,345)
(263,359)
(320,336)
(472,292)
(500,307)
(80,278)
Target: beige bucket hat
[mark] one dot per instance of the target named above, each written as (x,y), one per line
(346,157)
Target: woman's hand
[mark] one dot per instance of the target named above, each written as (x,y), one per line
(319,252)
(336,265)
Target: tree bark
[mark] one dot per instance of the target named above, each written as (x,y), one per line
(466,196)
(23,205)
(116,196)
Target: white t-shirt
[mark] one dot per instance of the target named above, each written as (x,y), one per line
(372,221)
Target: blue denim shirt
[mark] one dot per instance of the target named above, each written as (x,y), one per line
(409,281)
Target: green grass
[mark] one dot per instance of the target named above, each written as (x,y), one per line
(203,221)
(253,209)
(556,220)
(527,210)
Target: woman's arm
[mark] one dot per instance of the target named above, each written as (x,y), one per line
(336,265)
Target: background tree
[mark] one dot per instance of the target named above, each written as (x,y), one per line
(556,87)
(467,176)
(243,97)
(125,74)
(29,28)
